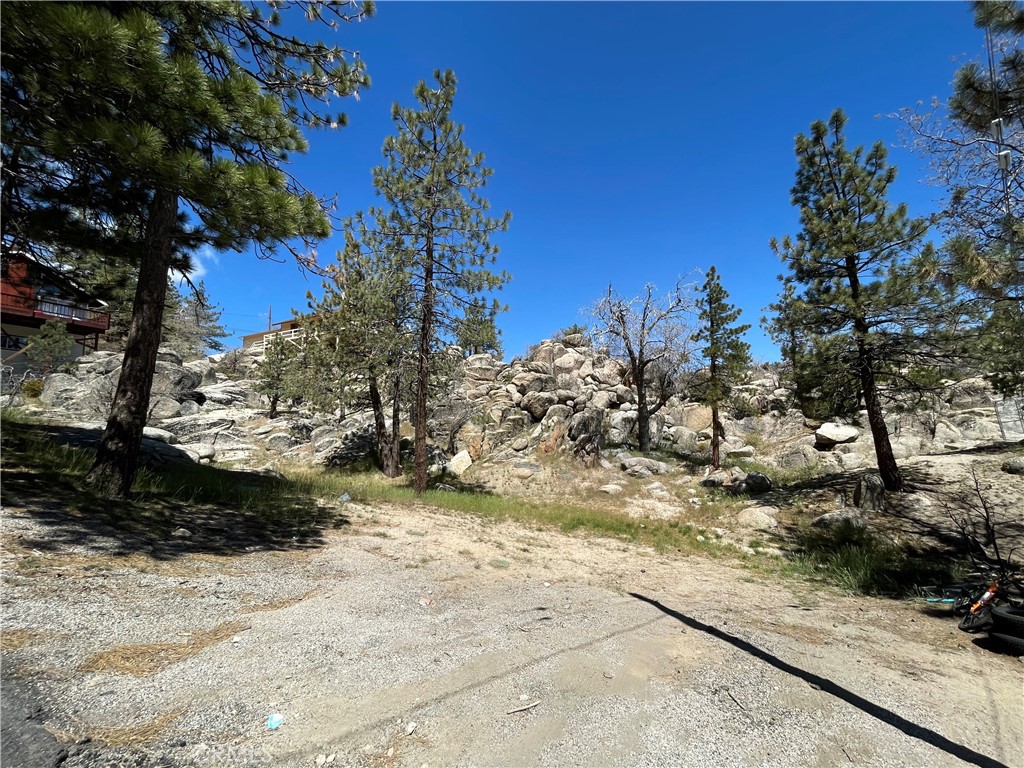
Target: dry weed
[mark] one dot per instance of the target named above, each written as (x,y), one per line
(13,639)
(277,605)
(122,736)
(149,658)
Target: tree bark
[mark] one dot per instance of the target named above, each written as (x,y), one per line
(117,458)
(387,454)
(423,370)
(643,416)
(716,437)
(887,467)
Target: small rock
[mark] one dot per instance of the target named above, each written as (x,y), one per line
(1014,466)
(321,759)
(850,516)
(181,533)
(611,489)
(410,728)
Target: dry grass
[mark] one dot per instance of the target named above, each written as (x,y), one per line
(149,658)
(277,605)
(13,639)
(122,736)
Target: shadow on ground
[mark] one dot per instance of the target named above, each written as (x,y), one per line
(192,508)
(910,728)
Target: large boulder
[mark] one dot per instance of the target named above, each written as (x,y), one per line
(758,518)
(641,466)
(459,463)
(754,484)
(569,362)
(799,457)
(849,517)
(537,403)
(1014,466)
(832,433)
(619,427)
(61,390)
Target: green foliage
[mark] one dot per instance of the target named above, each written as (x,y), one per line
(859,561)
(861,274)
(1002,350)
(436,225)
(571,331)
(192,326)
(477,332)
(106,102)
(51,346)
(279,374)
(975,146)
(728,356)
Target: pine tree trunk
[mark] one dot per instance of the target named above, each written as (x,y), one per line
(386,443)
(887,467)
(423,371)
(716,437)
(274,400)
(395,459)
(643,416)
(117,458)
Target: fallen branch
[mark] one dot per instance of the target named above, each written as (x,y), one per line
(523,708)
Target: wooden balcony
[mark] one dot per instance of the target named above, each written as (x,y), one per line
(17,308)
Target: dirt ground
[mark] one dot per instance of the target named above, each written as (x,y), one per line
(414,637)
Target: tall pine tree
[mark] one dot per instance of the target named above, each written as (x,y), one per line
(723,347)
(131,111)
(859,266)
(437,221)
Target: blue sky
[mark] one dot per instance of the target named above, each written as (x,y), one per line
(632,142)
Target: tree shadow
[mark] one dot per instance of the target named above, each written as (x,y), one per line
(886,716)
(191,509)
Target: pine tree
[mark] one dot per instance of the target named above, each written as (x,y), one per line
(439,224)
(728,356)
(124,112)
(360,334)
(276,373)
(50,347)
(861,266)
(192,326)
(477,332)
(975,146)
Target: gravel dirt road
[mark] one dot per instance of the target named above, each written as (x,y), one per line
(413,637)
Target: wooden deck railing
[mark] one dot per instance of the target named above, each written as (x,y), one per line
(46,308)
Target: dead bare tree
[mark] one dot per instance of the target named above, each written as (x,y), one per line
(654,335)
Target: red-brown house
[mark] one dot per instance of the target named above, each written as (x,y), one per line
(32,293)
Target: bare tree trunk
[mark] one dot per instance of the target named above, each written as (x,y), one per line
(887,467)
(423,371)
(643,416)
(117,458)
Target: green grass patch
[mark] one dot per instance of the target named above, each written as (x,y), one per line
(663,535)
(858,561)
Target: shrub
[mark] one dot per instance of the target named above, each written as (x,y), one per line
(32,388)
